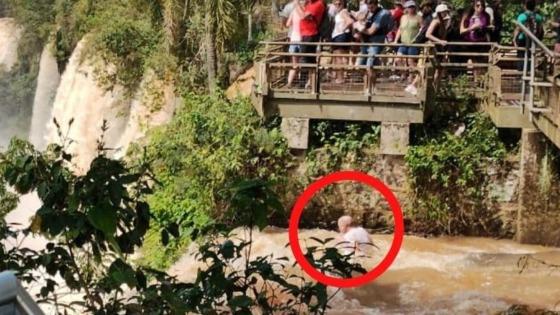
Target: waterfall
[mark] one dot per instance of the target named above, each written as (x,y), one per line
(79,99)
(47,84)
(142,114)
(9,38)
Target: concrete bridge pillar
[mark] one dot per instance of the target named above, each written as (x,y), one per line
(395,138)
(538,218)
(296,131)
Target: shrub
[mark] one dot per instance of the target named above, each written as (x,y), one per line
(210,144)
(450,177)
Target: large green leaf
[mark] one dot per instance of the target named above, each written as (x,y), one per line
(121,272)
(103,218)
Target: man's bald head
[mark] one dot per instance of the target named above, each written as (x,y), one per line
(344,223)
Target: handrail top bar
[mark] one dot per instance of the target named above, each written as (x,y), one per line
(537,41)
(346,44)
(428,45)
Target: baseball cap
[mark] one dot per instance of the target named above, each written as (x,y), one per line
(442,8)
(409,4)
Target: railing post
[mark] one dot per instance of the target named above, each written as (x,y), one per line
(532,82)
(524,75)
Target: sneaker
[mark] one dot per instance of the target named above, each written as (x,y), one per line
(411,89)
(394,77)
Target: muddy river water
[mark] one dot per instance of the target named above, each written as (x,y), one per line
(445,275)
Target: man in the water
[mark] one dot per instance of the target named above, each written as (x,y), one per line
(353,238)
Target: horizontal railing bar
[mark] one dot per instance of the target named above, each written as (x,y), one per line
(318,55)
(468,54)
(365,44)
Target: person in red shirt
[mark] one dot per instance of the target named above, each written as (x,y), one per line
(314,11)
(397,13)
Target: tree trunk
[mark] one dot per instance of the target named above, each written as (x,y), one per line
(210,44)
(249,25)
(275,8)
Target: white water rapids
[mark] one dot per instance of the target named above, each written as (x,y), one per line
(446,275)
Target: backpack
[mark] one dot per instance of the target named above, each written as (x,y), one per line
(326,27)
(534,26)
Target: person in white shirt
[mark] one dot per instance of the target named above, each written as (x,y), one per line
(353,239)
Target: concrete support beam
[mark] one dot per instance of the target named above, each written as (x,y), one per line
(296,131)
(538,218)
(395,138)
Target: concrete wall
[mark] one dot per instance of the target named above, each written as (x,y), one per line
(538,219)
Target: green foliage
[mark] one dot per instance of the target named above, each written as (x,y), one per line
(125,41)
(210,144)
(95,220)
(16,100)
(450,177)
(335,143)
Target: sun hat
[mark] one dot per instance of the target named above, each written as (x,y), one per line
(409,4)
(442,8)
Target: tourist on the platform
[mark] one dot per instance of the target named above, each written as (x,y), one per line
(362,12)
(309,28)
(397,14)
(352,239)
(534,22)
(409,29)
(285,14)
(426,11)
(497,22)
(475,28)
(378,24)
(440,26)
(342,34)
(293,22)
(439,30)
(556,25)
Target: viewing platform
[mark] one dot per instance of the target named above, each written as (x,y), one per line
(517,90)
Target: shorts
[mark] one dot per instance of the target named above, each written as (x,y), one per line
(372,51)
(342,38)
(408,51)
(294,49)
(477,52)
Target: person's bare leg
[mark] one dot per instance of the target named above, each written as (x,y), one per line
(293,71)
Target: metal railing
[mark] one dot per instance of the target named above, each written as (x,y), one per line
(538,76)
(323,69)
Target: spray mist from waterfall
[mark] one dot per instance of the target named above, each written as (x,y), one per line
(10,124)
(47,85)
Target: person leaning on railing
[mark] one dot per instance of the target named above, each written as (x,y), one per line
(294,22)
(438,31)
(342,33)
(309,26)
(534,22)
(475,28)
(378,24)
(409,29)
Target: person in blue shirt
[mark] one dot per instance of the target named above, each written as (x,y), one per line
(377,26)
(534,22)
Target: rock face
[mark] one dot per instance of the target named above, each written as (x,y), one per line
(9,38)
(370,209)
(243,85)
(81,107)
(538,218)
